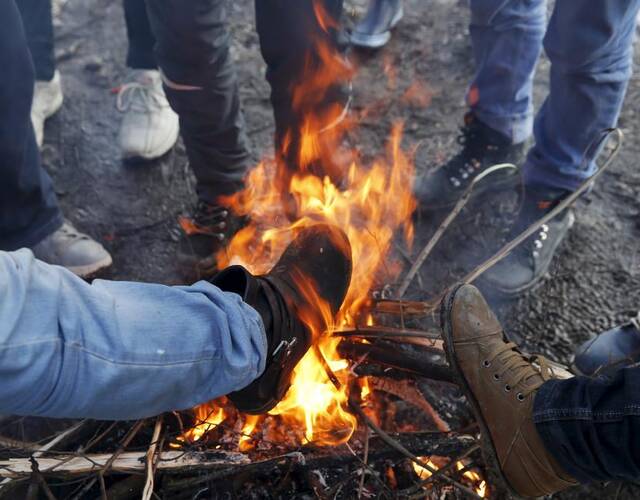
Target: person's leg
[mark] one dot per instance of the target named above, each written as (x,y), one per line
(37,19)
(29,212)
(200,81)
(590,48)
(140,54)
(302,44)
(118,350)
(38,25)
(590,45)
(592,426)
(506,37)
(149,127)
(28,206)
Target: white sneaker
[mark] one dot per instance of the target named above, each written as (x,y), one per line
(149,127)
(74,250)
(47,100)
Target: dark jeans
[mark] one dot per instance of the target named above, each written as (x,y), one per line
(28,207)
(38,24)
(592,426)
(289,36)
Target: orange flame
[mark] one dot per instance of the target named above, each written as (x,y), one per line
(370,203)
(471,476)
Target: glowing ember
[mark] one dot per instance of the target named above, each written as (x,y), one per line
(471,476)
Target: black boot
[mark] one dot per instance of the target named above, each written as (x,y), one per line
(374,30)
(482,147)
(320,257)
(208,230)
(609,351)
(527,264)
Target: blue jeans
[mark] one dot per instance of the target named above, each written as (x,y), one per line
(590,46)
(592,426)
(118,350)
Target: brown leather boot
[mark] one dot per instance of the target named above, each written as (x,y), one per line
(500,383)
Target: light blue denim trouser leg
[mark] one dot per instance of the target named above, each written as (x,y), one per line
(589,44)
(118,350)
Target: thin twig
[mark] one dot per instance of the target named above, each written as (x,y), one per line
(398,447)
(426,251)
(151,460)
(125,442)
(365,461)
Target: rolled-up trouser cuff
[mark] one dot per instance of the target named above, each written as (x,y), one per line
(517,128)
(553,177)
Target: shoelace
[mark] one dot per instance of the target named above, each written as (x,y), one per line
(469,167)
(143,96)
(517,370)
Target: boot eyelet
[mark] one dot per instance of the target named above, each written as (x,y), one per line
(507,388)
(496,376)
(486,363)
(520,396)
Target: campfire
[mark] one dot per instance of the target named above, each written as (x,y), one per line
(373,204)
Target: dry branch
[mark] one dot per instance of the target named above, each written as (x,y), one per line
(415,364)
(127,462)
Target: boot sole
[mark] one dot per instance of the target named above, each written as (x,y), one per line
(486,442)
(88,270)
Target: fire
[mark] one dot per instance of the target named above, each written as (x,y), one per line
(208,417)
(370,203)
(471,476)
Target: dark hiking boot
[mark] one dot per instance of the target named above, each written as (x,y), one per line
(209,229)
(609,351)
(319,258)
(374,29)
(482,148)
(527,264)
(500,383)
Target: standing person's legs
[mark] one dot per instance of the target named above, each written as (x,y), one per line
(590,45)
(149,127)
(28,206)
(506,37)
(200,81)
(37,19)
(29,213)
(590,48)
(297,40)
(592,426)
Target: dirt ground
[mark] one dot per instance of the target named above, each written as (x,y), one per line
(132,209)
